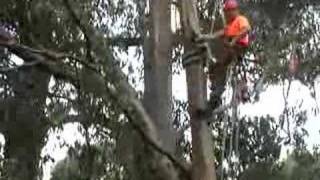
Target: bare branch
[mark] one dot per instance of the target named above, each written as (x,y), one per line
(74,119)
(9,69)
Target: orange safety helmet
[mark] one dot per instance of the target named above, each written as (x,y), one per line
(230,5)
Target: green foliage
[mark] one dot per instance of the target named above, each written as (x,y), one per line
(88,162)
(302,165)
(298,165)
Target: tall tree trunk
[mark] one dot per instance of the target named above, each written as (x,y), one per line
(202,146)
(158,77)
(158,95)
(22,152)
(26,126)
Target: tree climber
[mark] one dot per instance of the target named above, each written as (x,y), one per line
(235,38)
(236,33)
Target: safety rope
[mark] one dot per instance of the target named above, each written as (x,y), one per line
(235,123)
(225,126)
(224,142)
(233,79)
(218,7)
(235,74)
(189,58)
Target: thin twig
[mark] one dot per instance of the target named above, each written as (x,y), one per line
(286,110)
(224,142)
(9,69)
(53,56)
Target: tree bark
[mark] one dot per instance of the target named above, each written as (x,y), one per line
(22,153)
(202,146)
(158,78)
(157,94)
(26,127)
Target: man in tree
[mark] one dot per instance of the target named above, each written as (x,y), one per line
(235,38)
(236,33)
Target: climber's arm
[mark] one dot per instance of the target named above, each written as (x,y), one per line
(208,37)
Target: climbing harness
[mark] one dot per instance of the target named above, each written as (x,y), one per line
(217,8)
(194,56)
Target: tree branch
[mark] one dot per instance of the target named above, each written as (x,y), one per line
(74,119)
(15,68)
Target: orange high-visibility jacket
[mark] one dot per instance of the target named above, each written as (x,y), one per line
(235,27)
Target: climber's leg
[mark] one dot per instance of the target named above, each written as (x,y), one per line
(217,77)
